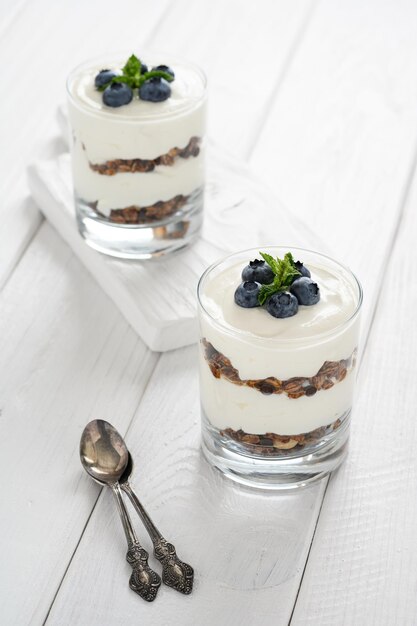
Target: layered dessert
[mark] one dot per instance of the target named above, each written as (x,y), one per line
(278,350)
(138,143)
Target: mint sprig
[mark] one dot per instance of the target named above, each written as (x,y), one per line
(284,274)
(132,76)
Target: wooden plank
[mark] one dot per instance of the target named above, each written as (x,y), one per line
(363,565)
(248,549)
(10,11)
(340,141)
(66,356)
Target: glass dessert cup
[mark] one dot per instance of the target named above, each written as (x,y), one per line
(276,394)
(138,169)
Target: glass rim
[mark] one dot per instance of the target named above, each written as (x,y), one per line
(121,118)
(244,335)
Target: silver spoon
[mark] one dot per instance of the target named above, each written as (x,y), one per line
(104,456)
(175,573)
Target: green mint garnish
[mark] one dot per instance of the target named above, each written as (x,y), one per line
(131,74)
(284,274)
(132,69)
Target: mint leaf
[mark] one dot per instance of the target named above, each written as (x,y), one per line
(116,79)
(285,272)
(268,290)
(273,264)
(132,67)
(155,74)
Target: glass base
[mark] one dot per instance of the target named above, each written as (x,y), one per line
(288,471)
(140,241)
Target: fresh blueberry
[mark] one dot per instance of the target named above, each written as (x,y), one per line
(155,90)
(143,68)
(117,94)
(304,271)
(246,294)
(259,271)
(164,68)
(282,304)
(103,77)
(305,290)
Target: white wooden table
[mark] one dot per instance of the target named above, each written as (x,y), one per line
(320,98)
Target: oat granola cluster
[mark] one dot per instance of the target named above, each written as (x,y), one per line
(117,166)
(330,373)
(271,444)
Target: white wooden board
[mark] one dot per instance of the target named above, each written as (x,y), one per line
(158,298)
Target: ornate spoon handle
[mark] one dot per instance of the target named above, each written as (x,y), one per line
(175,573)
(144,581)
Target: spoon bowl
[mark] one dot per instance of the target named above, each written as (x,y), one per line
(103,452)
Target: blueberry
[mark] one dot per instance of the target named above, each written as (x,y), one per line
(155,90)
(305,290)
(246,294)
(143,68)
(103,77)
(164,68)
(259,271)
(304,271)
(117,94)
(282,304)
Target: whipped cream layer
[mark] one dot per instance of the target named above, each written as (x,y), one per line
(336,305)
(261,346)
(138,130)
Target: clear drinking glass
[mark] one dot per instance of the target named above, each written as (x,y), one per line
(138,169)
(276,394)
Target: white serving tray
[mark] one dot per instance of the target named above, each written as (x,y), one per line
(158,297)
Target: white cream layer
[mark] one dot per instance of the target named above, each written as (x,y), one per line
(336,305)
(260,346)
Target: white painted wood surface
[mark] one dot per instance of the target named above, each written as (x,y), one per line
(322,97)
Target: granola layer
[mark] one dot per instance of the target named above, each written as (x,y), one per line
(330,373)
(143,215)
(116,166)
(272,444)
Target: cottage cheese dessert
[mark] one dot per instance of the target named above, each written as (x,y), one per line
(277,351)
(138,153)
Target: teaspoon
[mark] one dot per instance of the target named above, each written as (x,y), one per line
(104,456)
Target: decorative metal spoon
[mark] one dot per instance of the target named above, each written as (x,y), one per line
(104,456)
(175,573)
